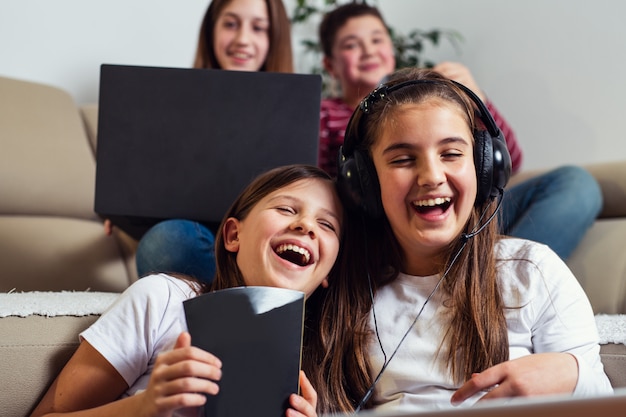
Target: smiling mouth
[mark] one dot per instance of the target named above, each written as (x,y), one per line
(294,254)
(240,55)
(432,204)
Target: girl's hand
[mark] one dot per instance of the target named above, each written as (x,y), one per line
(305,404)
(538,374)
(180,378)
(108,227)
(461,74)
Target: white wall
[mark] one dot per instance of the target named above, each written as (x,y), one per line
(63,42)
(553,67)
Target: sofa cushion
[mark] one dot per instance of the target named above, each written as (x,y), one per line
(612,179)
(46,164)
(599,265)
(53,254)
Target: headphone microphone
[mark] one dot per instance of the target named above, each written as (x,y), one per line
(476,230)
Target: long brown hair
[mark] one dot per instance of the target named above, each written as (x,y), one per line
(279,56)
(475,336)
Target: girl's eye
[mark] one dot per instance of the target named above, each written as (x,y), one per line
(286,209)
(260,28)
(327,225)
(452,154)
(229,24)
(402,160)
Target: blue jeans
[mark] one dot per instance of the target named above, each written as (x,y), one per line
(182,246)
(555,208)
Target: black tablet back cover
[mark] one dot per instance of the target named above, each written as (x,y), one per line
(257,334)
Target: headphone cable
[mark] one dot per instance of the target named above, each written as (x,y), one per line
(465,237)
(476,230)
(386,362)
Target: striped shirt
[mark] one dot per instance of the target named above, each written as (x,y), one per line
(334,117)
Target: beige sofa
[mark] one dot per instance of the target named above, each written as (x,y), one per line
(58,271)
(50,237)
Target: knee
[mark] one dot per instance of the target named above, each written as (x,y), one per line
(583,186)
(182,246)
(167,236)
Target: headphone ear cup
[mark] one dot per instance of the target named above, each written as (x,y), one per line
(357,183)
(483,160)
(370,187)
(502,165)
(493,165)
(348,182)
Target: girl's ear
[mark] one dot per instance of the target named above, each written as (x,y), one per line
(231,234)
(328,66)
(324,283)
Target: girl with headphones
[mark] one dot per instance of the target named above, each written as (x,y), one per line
(437,309)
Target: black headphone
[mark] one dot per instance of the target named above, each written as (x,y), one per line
(357,179)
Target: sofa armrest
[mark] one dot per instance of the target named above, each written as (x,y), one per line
(33,351)
(614,360)
(89,114)
(39,335)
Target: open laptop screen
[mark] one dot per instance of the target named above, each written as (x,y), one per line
(182,143)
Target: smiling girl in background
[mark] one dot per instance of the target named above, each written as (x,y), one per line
(237,35)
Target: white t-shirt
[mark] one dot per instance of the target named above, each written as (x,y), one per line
(145,320)
(549,313)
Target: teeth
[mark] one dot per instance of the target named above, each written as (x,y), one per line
(431,202)
(294,248)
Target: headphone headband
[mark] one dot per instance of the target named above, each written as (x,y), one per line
(383,90)
(358,181)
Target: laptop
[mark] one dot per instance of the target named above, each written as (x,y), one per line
(544,406)
(183,143)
